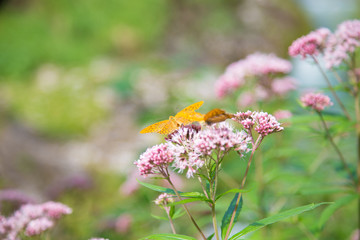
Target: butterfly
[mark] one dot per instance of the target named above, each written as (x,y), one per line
(216,115)
(184,117)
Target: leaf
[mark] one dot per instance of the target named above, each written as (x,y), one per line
(235,190)
(276,218)
(192,195)
(178,213)
(210,237)
(159,217)
(189,200)
(168,237)
(172,211)
(227,216)
(329,211)
(157,188)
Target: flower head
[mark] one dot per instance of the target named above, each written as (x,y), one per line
(37,226)
(182,145)
(262,122)
(164,199)
(282,114)
(310,44)
(343,42)
(55,209)
(316,101)
(155,159)
(258,65)
(221,138)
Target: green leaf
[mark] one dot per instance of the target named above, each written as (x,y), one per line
(192,195)
(168,237)
(329,211)
(178,213)
(227,216)
(157,188)
(189,200)
(172,211)
(159,217)
(235,190)
(276,218)
(210,237)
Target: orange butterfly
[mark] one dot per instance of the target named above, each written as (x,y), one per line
(184,117)
(216,115)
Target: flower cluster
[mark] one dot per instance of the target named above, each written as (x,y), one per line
(336,47)
(262,122)
(183,147)
(164,199)
(32,219)
(155,159)
(189,147)
(342,43)
(311,44)
(221,138)
(263,68)
(316,101)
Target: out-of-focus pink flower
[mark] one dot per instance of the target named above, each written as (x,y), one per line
(257,65)
(262,122)
(56,210)
(13,195)
(316,101)
(130,185)
(37,226)
(263,64)
(344,41)
(32,219)
(155,159)
(164,199)
(246,99)
(282,114)
(310,44)
(281,86)
(123,223)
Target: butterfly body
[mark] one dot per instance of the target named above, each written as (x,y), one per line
(184,117)
(216,115)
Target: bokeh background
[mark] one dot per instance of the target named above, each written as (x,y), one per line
(80,79)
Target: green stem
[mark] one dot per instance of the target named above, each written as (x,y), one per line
(186,209)
(332,89)
(255,146)
(167,210)
(337,150)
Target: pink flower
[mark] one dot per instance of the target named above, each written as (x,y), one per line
(264,123)
(221,138)
(256,65)
(282,114)
(56,210)
(164,199)
(155,159)
(342,43)
(310,44)
(123,223)
(281,86)
(246,99)
(37,226)
(183,147)
(316,101)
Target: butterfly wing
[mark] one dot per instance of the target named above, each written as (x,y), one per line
(154,127)
(170,126)
(192,107)
(190,116)
(216,115)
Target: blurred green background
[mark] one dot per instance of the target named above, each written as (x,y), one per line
(80,79)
